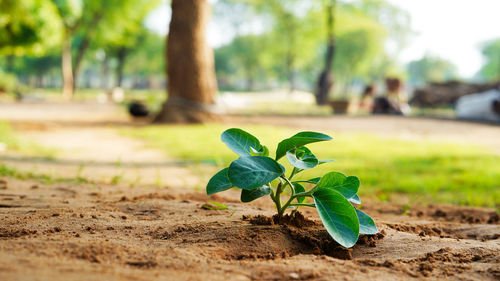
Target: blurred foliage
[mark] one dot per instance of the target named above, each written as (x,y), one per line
(8,82)
(431,69)
(27,27)
(289,50)
(491,53)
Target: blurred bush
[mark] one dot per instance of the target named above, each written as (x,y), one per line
(8,82)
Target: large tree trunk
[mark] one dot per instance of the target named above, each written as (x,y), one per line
(190,69)
(67,69)
(325,80)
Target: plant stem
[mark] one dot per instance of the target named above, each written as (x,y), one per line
(303,204)
(276,197)
(292,196)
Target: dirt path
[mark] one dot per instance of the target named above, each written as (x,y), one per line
(88,146)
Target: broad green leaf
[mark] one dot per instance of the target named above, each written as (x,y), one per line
(355,199)
(347,186)
(248,172)
(302,158)
(298,188)
(338,216)
(299,140)
(219,182)
(366,224)
(248,195)
(241,142)
(313,180)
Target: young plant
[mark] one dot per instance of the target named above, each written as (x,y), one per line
(258,175)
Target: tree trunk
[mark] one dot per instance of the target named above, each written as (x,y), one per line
(190,69)
(105,74)
(78,60)
(290,72)
(325,80)
(67,69)
(84,46)
(121,55)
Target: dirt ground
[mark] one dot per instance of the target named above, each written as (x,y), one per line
(80,232)
(160,230)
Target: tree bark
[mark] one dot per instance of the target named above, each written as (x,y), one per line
(325,80)
(190,69)
(67,69)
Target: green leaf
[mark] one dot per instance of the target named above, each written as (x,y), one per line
(347,186)
(355,199)
(298,188)
(338,216)
(212,205)
(366,224)
(219,182)
(325,161)
(299,140)
(264,151)
(248,195)
(249,172)
(241,142)
(313,180)
(302,158)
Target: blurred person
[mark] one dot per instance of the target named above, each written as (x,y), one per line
(394,102)
(366,101)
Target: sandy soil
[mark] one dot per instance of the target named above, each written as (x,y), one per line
(159,230)
(68,232)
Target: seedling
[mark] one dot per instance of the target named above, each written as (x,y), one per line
(258,175)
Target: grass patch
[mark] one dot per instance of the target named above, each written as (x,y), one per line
(10,172)
(423,171)
(10,142)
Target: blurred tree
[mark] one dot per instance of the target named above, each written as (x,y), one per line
(146,59)
(359,36)
(243,57)
(490,71)
(191,77)
(120,40)
(84,21)
(325,79)
(27,27)
(396,21)
(430,69)
(286,21)
(38,67)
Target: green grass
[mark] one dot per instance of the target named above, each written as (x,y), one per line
(10,142)
(421,171)
(11,172)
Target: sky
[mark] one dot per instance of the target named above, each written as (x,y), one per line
(450,29)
